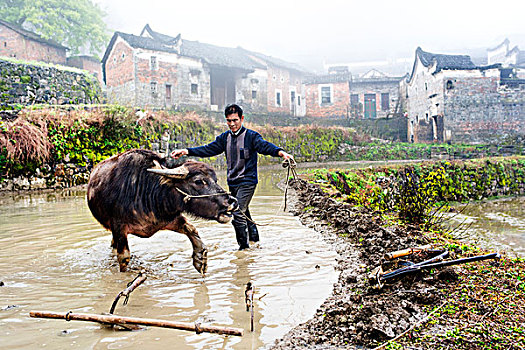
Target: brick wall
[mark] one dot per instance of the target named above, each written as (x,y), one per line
(339,106)
(120,75)
(13,44)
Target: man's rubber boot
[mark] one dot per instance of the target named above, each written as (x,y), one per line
(242,237)
(253,233)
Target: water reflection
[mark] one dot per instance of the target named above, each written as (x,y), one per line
(496,224)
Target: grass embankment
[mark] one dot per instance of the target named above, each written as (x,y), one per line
(482,305)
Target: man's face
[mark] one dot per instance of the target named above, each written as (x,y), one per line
(234,122)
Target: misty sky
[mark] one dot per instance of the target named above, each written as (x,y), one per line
(312,33)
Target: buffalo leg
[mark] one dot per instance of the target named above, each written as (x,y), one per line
(120,243)
(200,252)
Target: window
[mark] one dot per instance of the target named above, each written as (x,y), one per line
(326,95)
(298,100)
(292,97)
(278,98)
(254,94)
(153,63)
(168,92)
(450,85)
(194,89)
(153,87)
(123,56)
(5,43)
(354,100)
(385,101)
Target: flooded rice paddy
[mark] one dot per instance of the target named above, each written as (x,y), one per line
(497,225)
(54,256)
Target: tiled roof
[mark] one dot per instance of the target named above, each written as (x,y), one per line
(219,56)
(277,62)
(445,61)
(142,42)
(32,36)
(328,78)
(166,39)
(453,62)
(236,58)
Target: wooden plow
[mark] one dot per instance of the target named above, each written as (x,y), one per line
(132,323)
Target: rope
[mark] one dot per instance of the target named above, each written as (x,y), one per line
(287,163)
(188,196)
(291,165)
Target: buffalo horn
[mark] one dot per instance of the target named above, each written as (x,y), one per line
(179,172)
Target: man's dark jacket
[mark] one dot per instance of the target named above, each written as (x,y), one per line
(241,154)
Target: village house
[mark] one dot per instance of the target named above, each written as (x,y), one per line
(328,95)
(89,63)
(450,99)
(506,56)
(339,94)
(16,42)
(160,71)
(374,95)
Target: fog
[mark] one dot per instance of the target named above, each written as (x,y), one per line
(315,34)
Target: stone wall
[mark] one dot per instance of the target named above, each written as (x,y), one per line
(27,84)
(62,175)
(481,110)
(88,63)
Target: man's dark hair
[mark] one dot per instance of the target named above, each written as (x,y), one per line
(233,109)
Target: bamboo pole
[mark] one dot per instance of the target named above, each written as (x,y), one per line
(122,320)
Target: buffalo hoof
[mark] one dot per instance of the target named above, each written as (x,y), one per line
(200,260)
(123,264)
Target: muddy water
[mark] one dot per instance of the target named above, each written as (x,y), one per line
(496,224)
(54,256)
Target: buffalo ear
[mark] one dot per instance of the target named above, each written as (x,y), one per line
(180,172)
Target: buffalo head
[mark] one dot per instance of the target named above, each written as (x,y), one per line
(196,184)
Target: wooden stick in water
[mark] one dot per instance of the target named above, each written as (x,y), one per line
(121,320)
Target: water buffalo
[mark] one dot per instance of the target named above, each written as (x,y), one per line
(136,192)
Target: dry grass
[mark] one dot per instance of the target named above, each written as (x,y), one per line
(24,141)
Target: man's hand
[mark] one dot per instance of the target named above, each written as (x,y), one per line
(179,153)
(285,155)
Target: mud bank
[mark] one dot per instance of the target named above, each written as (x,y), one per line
(357,314)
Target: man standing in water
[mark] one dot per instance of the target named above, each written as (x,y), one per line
(241,146)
